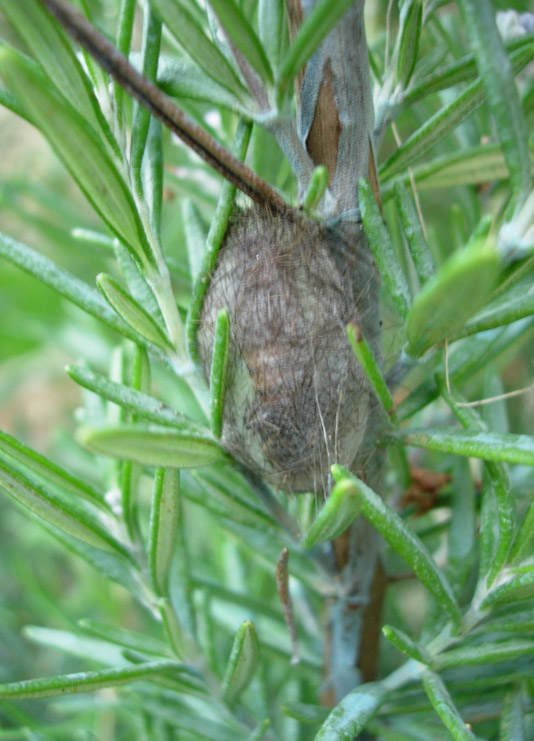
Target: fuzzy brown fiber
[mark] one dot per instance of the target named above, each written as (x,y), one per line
(297,400)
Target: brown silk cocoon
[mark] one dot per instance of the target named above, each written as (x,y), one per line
(297,400)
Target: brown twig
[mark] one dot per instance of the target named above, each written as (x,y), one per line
(161,107)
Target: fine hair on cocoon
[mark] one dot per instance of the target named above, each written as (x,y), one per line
(297,400)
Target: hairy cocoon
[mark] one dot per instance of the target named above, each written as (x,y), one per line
(297,401)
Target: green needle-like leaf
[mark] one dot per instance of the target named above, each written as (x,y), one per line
(219,365)
(519,587)
(383,249)
(491,446)
(151,447)
(48,44)
(445,121)
(66,284)
(49,471)
(514,305)
(445,708)
(213,243)
(243,37)
(405,644)
(524,538)
(65,684)
(272,22)
(337,514)
(242,663)
(195,236)
(461,70)
(512,728)
(410,29)
(411,226)
(316,189)
(80,149)
(403,541)
(367,360)
(487,653)
(131,312)
(498,79)
(163,526)
(55,510)
(470,166)
(351,715)
(142,405)
(455,293)
(191,37)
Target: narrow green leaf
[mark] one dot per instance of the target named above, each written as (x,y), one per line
(367,360)
(50,507)
(272,26)
(461,70)
(80,149)
(510,308)
(524,538)
(383,249)
(242,663)
(445,708)
(498,79)
(454,294)
(316,189)
(261,729)
(243,37)
(411,226)
(140,642)
(123,43)
(66,284)
(224,500)
(472,166)
(350,716)
(406,644)
(49,471)
(66,684)
(516,588)
(140,404)
(191,37)
(337,514)
(490,446)
(404,542)
(181,78)
(138,286)
(411,17)
(163,526)
(151,447)
(512,728)
(141,117)
(195,236)
(306,713)
(75,644)
(499,479)
(49,45)
(315,27)
(462,529)
(111,565)
(213,243)
(486,653)
(9,101)
(219,365)
(131,312)
(444,121)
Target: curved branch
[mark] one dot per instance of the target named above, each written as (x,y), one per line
(161,107)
